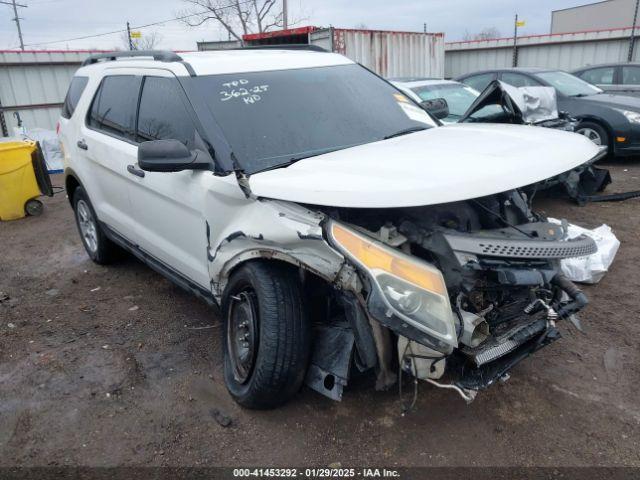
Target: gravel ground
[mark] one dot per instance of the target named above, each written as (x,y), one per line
(103,366)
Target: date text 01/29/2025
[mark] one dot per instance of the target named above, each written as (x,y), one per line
(315,473)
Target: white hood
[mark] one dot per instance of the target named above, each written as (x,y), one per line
(439,165)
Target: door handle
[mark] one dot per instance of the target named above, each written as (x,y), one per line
(81,144)
(134,171)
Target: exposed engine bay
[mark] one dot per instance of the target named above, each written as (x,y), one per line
(502,288)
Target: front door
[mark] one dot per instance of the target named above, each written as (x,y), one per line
(168,206)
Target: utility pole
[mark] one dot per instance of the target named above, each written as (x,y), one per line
(515,42)
(632,39)
(16,18)
(131,47)
(285,15)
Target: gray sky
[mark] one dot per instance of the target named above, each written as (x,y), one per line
(51,20)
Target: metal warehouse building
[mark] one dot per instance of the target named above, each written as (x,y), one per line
(594,16)
(565,51)
(33,85)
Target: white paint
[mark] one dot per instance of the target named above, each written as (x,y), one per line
(240,61)
(439,165)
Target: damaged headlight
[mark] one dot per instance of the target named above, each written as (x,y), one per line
(633,117)
(412,289)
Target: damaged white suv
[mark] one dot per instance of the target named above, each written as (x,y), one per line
(338,227)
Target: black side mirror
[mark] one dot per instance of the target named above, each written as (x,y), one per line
(438,107)
(170,156)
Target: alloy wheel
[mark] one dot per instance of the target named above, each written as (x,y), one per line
(88,228)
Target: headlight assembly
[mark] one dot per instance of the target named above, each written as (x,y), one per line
(411,288)
(633,117)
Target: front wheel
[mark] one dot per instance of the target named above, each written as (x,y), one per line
(266,335)
(594,132)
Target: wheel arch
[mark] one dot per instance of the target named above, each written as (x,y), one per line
(599,121)
(276,256)
(71,183)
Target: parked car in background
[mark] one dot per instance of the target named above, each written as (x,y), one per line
(607,119)
(503,103)
(337,226)
(620,78)
(458,96)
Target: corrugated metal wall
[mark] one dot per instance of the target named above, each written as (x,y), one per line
(565,51)
(390,54)
(34,84)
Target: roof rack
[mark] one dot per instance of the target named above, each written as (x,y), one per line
(160,55)
(284,46)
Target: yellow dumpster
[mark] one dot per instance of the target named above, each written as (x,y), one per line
(23,178)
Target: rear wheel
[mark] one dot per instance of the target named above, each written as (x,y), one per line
(594,132)
(99,248)
(266,335)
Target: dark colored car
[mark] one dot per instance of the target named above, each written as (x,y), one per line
(606,118)
(620,78)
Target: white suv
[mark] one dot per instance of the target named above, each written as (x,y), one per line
(330,217)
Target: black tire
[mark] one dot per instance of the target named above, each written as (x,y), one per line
(599,130)
(280,341)
(104,251)
(33,207)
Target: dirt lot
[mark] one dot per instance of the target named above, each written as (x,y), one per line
(104,366)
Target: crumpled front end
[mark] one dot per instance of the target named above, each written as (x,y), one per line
(469,288)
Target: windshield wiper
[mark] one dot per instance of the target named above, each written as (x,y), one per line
(580,95)
(405,131)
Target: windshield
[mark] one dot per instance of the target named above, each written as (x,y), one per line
(569,85)
(276,117)
(459,97)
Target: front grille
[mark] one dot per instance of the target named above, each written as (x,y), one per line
(522,248)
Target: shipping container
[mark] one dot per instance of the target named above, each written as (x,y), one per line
(388,53)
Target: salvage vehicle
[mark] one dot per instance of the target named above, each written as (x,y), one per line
(605,118)
(457,96)
(336,227)
(499,102)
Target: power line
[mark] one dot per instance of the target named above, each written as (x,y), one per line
(113,32)
(16,18)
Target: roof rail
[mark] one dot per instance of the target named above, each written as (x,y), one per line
(284,46)
(160,55)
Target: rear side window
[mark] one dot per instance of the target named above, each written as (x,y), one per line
(598,76)
(113,109)
(73,95)
(518,80)
(479,82)
(163,114)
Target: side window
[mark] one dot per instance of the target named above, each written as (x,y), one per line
(163,114)
(114,106)
(631,75)
(73,95)
(479,82)
(598,76)
(518,80)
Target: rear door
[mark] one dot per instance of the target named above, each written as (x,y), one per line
(602,77)
(105,146)
(168,206)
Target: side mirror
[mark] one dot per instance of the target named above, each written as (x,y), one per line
(438,107)
(170,156)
